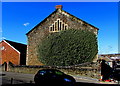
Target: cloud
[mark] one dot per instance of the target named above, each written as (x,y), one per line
(26,24)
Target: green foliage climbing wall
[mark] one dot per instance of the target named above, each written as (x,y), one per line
(68,47)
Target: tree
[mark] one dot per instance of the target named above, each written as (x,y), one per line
(68,47)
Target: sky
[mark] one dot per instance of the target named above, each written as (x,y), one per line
(18,18)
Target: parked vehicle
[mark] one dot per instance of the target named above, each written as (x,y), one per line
(53,77)
(116,73)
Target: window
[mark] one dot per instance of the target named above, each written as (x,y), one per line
(65,27)
(57,26)
(51,29)
(2,48)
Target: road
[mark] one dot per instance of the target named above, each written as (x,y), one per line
(16,78)
(19,79)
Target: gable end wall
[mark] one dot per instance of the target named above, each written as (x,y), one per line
(41,31)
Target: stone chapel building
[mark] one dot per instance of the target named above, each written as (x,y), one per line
(55,22)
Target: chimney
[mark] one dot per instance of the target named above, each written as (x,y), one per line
(58,6)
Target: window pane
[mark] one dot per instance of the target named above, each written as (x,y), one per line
(63,27)
(58,25)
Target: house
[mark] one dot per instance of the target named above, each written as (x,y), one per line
(110,58)
(57,21)
(13,52)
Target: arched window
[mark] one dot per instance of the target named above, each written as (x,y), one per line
(57,26)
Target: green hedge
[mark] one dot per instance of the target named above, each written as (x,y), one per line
(68,47)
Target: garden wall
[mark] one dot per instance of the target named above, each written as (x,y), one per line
(86,69)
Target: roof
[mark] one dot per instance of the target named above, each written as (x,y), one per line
(111,55)
(105,58)
(41,22)
(80,20)
(64,12)
(18,46)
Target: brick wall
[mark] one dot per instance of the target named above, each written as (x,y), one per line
(9,54)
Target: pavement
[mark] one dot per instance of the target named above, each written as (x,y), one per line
(90,80)
(20,78)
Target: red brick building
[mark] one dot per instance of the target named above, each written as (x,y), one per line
(12,52)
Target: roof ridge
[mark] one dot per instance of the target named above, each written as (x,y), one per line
(80,19)
(14,42)
(17,46)
(41,22)
(57,10)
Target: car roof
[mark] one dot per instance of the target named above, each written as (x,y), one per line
(50,70)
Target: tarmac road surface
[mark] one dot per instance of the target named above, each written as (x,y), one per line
(19,79)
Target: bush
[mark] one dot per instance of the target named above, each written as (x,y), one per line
(68,47)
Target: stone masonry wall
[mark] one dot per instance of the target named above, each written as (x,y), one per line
(40,31)
(89,70)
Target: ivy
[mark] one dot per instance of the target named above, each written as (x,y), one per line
(68,47)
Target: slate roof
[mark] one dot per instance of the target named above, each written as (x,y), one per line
(64,12)
(18,46)
(112,55)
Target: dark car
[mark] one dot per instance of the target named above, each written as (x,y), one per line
(116,75)
(53,77)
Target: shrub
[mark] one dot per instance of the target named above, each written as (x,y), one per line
(68,47)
